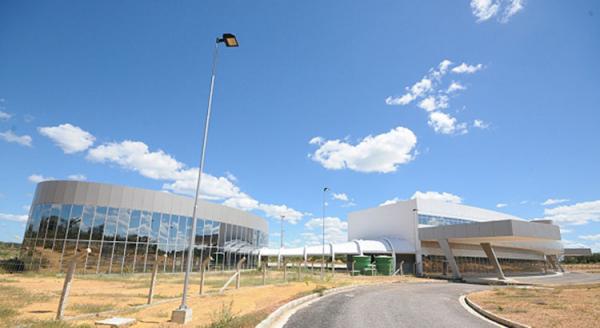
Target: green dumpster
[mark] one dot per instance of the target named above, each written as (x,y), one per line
(384,265)
(361,262)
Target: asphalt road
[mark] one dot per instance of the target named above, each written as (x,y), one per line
(395,305)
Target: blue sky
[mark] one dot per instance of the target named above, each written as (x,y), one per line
(489,103)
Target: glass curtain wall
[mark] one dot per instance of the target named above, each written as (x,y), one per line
(432,220)
(126,240)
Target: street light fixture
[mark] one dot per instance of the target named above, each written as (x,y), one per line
(323,250)
(183,314)
(229,39)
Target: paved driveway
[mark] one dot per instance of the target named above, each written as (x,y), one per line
(566,278)
(395,305)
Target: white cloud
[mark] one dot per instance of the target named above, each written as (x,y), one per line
(336,231)
(405,99)
(434,195)
(316,141)
(9,136)
(446,124)
(455,86)
(13,217)
(554,201)
(484,9)
(158,165)
(576,214)
(480,124)
(590,237)
(423,87)
(513,7)
(230,176)
(37,178)
(71,139)
(276,211)
(572,244)
(341,196)
(432,103)
(501,205)
(381,153)
(135,155)
(433,98)
(564,230)
(442,196)
(465,68)
(4,116)
(504,9)
(390,201)
(78,177)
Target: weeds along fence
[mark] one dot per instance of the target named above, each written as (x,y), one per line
(92,293)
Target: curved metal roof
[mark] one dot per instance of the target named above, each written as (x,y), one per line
(100,194)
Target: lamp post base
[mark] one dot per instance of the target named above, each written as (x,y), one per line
(181,316)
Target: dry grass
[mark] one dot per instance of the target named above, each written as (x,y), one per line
(589,268)
(558,306)
(33,299)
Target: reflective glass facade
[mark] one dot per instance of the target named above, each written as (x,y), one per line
(431,220)
(125,240)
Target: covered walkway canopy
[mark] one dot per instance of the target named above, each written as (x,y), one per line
(391,246)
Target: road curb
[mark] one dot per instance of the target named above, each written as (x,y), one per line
(496,318)
(276,318)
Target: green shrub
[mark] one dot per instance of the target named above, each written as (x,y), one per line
(224,318)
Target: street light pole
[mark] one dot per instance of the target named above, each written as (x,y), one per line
(281,245)
(183,314)
(323,249)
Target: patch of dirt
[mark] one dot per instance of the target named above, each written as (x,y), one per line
(558,306)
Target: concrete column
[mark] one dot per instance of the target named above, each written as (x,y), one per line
(418,252)
(491,255)
(450,257)
(554,261)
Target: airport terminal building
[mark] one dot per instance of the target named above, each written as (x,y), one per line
(437,238)
(129,229)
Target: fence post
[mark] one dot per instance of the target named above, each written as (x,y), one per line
(153,282)
(299,271)
(284,271)
(203,272)
(239,275)
(352,272)
(64,296)
(264,273)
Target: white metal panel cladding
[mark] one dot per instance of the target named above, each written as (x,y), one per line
(98,194)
